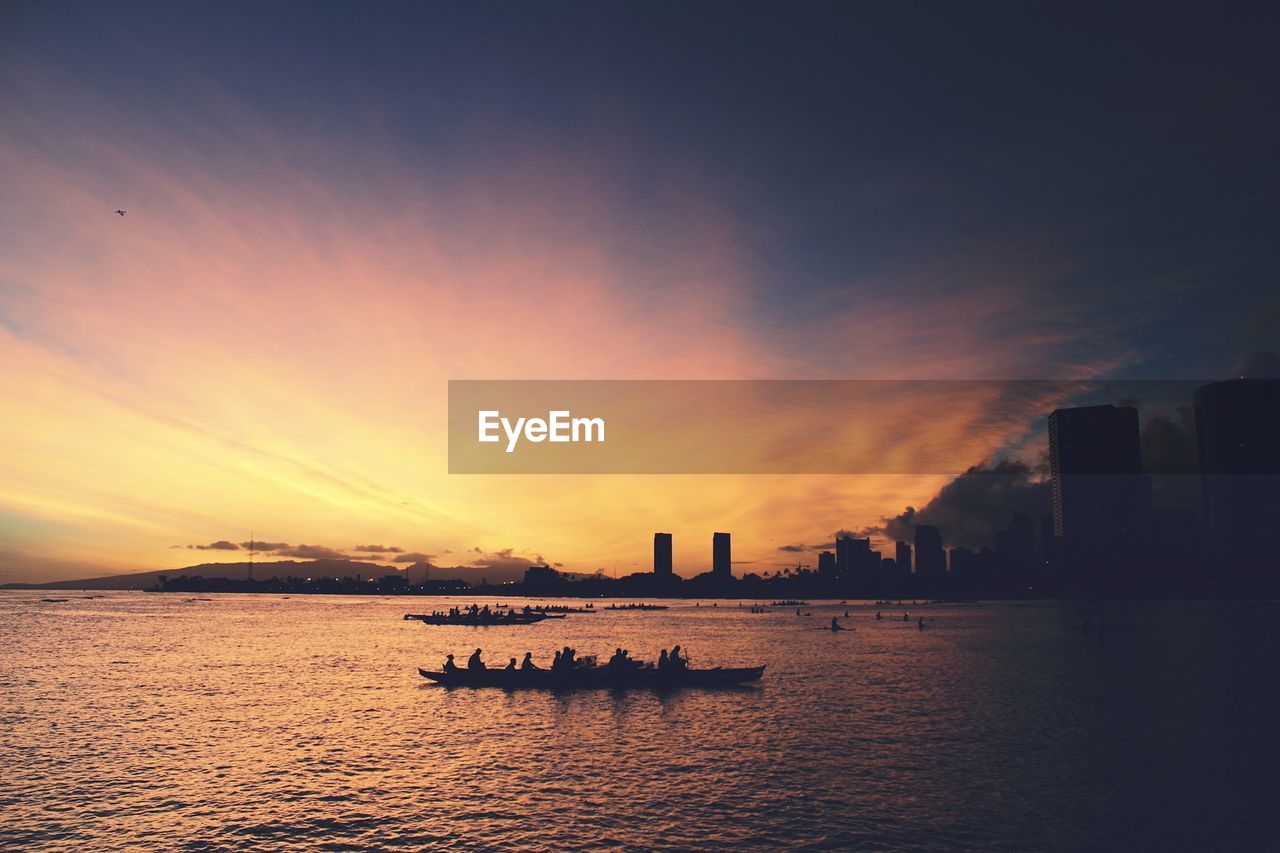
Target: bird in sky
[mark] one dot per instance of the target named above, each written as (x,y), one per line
(121,212)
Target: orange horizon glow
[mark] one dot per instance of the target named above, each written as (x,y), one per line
(263,343)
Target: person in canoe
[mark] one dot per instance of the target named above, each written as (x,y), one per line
(511,665)
(835,624)
(622,661)
(677,661)
(449,665)
(663,662)
(474,663)
(557,663)
(528,663)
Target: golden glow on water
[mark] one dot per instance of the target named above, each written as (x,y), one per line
(162,721)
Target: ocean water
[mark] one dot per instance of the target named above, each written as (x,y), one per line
(219,722)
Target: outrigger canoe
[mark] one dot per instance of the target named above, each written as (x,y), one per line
(595,676)
(481,620)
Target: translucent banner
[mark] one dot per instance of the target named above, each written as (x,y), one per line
(775,426)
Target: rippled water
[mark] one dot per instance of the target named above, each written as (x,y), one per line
(162,721)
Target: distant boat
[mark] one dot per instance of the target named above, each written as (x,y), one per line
(637,607)
(595,677)
(55,600)
(482,620)
(789,603)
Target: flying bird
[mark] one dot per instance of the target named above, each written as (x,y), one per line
(121,212)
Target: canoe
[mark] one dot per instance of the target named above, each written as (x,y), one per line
(596,676)
(466,619)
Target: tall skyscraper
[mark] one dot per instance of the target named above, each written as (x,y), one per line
(721,558)
(844,556)
(1100,498)
(1047,542)
(902,556)
(1238,435)
(859,559)
(931,560)
(662,555)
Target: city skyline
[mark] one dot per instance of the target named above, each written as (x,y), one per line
(1107,531)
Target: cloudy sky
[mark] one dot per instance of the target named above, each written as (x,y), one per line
(332,209)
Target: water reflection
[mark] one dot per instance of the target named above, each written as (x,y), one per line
(155,721)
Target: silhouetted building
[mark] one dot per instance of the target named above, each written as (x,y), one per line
(1100,498)
(931,560)
(543,579)
(721,557)
(1238,437)
(872,569)
(1048,541)
(827,564)
(862,564)
(662,555)
(964,571)
(844,556)
(896,577)
(1016,554)
(902,556)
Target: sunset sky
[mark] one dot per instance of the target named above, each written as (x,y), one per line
(333,209)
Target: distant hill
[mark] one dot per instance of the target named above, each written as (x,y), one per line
(261,570)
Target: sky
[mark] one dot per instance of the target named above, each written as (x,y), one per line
(335,208)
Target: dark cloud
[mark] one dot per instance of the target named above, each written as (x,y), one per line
(220,545)
(414,557)
(802,548)
(313,552)
(1258,365)
(505,564)
(973,506)
(1171,459)
(267,547)
(1169,443)
(307,552)
(505,560)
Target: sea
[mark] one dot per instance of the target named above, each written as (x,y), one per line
(221,722)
